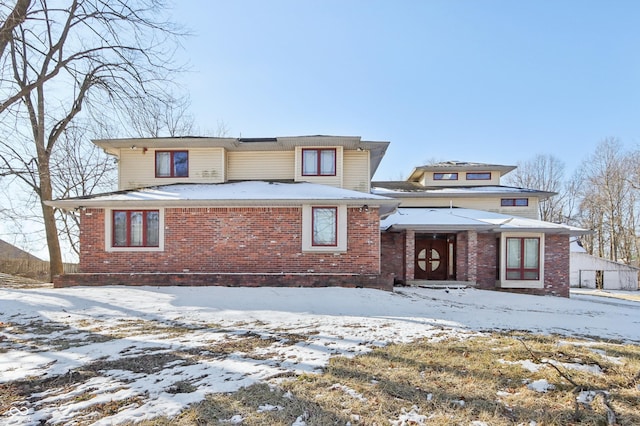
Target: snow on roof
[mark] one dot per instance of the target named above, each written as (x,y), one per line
(403,190)
(226,193)
(456,219)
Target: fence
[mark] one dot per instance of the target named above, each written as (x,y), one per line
(36,269)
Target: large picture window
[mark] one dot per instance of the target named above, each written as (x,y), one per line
(523,258)
(172,164)
(136,228)
(319,162)
(324,226)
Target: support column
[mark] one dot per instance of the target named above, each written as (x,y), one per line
(472,256)
(409,254)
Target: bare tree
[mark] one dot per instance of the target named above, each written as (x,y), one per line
(545,173)
(85,54)
(165,116)
(609,201)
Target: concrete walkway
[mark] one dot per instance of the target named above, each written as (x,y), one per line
(633,296)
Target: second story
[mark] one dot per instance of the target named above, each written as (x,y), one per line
(341,161)
(467,185)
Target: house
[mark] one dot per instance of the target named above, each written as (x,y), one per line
(293,211)
(589,271)
(302,211)
(456,224)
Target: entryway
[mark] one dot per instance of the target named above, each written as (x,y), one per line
(435,257)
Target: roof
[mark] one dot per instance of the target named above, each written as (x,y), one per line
(244,193)
(404,189)
(459,219)
(9,251)
(454,166)
(376,149)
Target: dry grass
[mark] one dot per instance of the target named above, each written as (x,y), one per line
(448,382)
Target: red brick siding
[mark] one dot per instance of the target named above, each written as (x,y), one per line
(462,257)
(392,255)
(556,265)
(486,261)
(234,240)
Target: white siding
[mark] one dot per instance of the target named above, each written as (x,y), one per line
(616,276)
(487,204)
(356,171)
(260,165)
(137,167)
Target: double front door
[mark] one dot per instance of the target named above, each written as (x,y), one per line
(432,259)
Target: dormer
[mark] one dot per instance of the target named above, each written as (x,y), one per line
(458,173)
(341,161)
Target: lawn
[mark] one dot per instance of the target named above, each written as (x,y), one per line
(218,355)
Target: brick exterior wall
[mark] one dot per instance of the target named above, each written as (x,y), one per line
(392,255)
(486,261)
(462,256)
(241,241)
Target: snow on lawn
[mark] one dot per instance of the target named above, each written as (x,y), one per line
(157,350)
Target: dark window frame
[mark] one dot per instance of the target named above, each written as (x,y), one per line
(128,229)
(440,176)
(172,173)
(521,270)
(478,176)
(314,243)
(514,202)
(318,152)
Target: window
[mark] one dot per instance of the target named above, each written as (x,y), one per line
(136,228)
(319,162)
(172,164)
(514,202)
(445,176)
(479,176)
(523,259)
(324,226)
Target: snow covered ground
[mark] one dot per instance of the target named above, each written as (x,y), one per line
(45,333)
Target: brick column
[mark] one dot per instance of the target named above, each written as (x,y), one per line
(472,256)
(409,253)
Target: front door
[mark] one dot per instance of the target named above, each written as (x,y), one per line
(431,259)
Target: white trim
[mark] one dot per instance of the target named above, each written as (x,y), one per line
(108,233)
(307,245)
(505,283)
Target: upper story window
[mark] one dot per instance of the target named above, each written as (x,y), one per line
(136,228)
(324,226)
(319,162)
(172,163)
(514,202)
(479,176)
(445,176)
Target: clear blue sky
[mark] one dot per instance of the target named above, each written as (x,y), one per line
(495,81)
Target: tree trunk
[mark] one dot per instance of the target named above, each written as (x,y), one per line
(48,214)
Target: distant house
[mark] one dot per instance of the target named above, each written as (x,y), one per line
(302,211)
(588,271)
(9,251)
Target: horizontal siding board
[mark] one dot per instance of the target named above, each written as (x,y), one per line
(260,165)
(356,170)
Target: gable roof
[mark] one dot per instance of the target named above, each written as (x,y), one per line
(376,149)
(460,219)
(9,251)
(243,193)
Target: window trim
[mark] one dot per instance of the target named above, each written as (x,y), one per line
(513,202)
(440,176)
(307,230)
(109,231)
(313,226)
(502,282)
(171,163)
(469,176)
(521,268)
(319,162)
